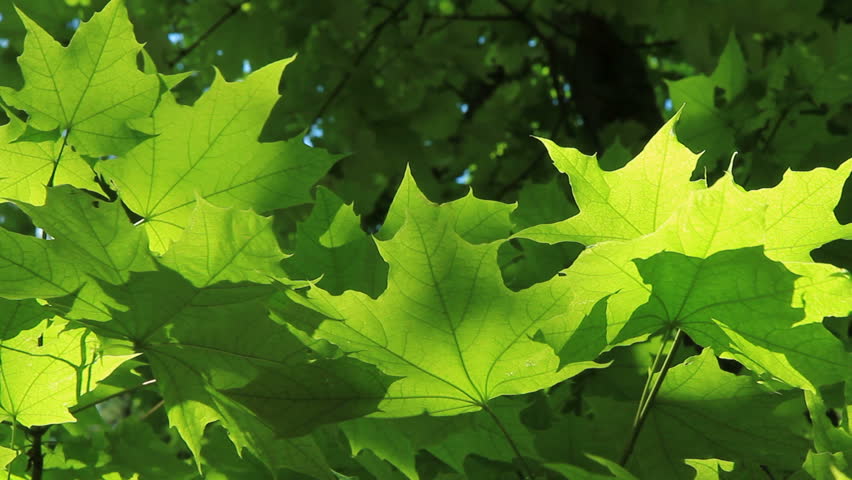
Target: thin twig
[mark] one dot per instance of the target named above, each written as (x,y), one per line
(182,53)
(556,27)
(515,182)
(473,17)
(561,100)
(359,57)
(84,406)
(153,409)
(769,138)
(519,15)
(659,44)
(781,117)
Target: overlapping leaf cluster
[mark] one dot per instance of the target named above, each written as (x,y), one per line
(354,355)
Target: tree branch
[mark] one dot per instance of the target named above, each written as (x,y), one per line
(182,53)
(660,44)
(359,57)
(117,394)
(36,463)
(516,182)
(561,101)
(556,27)
(153,409)
(781,118)
(473,17)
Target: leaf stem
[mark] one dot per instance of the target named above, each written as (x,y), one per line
(651,370)
(527,471)
(58,157)
(15,426)
(644,407)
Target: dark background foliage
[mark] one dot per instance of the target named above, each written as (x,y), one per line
(455,88)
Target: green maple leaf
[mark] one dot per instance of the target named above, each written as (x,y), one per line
(451,440)
(827,466)
(709,468)
(478,221)
(92,239)
(95,234)
(790,220)
(211,150)
(627,203)
(225,244)
(831,82)
(45,370)
(259,380)
(90,88)
(731,73)
(720,218)
(301,454)
(474,219)
(827,437)
(19,315)
(572,472)
(7,455)
(135,448)
(29,164)
(540,203)
(739,301)
(525,262)
(330,242)
(800,212)
(702,226)
(33,270)
(447,324)
(702,411)
(704,125)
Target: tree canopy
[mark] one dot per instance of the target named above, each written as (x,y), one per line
(436,239)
